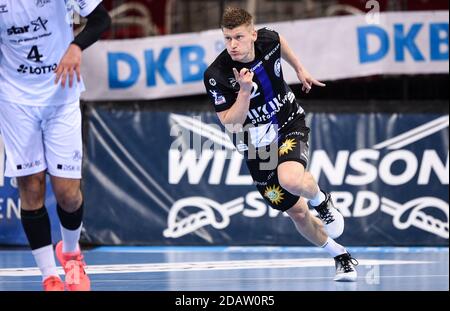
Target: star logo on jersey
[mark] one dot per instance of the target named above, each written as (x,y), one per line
(39,24)
(274,194)
(42,3)
(17,30)
(3,8)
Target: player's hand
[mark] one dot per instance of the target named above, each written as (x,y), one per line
(307,80)
(69,66)
(244,78)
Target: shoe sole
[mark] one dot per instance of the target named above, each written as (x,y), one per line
(346,278)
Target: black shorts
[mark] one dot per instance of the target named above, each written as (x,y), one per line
(292,145)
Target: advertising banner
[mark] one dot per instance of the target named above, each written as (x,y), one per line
(160,178)
(330,48)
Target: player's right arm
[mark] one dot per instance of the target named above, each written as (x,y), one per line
(98,21)
(231,108)
(235,117)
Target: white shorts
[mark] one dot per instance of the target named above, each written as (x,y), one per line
(40,138)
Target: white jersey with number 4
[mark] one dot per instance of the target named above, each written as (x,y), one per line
(34,35)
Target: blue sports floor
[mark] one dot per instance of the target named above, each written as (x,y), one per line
(240,269)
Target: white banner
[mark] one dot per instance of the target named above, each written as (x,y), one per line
(330,48)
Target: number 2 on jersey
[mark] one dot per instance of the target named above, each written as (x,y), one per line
(34,54)
(254,91)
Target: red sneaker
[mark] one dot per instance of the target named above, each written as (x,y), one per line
(73,265)
(53,284)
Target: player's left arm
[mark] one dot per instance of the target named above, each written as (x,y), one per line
(303,75)
(98,21)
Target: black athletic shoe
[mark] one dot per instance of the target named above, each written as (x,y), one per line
(345,268)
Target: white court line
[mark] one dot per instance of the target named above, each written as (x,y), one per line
(210,266)
(274,278)
(239,279)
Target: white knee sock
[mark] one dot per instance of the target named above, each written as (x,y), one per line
(318,199)
(45,260)
(70,239)
(333,248)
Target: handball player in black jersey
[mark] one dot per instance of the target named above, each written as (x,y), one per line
(247,88)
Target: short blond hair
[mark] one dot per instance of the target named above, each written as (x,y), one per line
(234,17)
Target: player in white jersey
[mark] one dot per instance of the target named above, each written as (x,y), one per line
(40,120)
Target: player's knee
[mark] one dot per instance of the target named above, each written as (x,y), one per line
(290,181)
(69,201)
(298,214)
(32,183)
(32,191)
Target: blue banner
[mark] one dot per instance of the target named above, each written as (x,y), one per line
(160,178)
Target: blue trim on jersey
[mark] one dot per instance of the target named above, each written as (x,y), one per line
(266,84)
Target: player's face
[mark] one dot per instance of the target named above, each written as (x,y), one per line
(240,43)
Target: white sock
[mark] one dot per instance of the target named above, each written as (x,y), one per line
(70,239)
(45,260)
(333,248)
(318,199)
